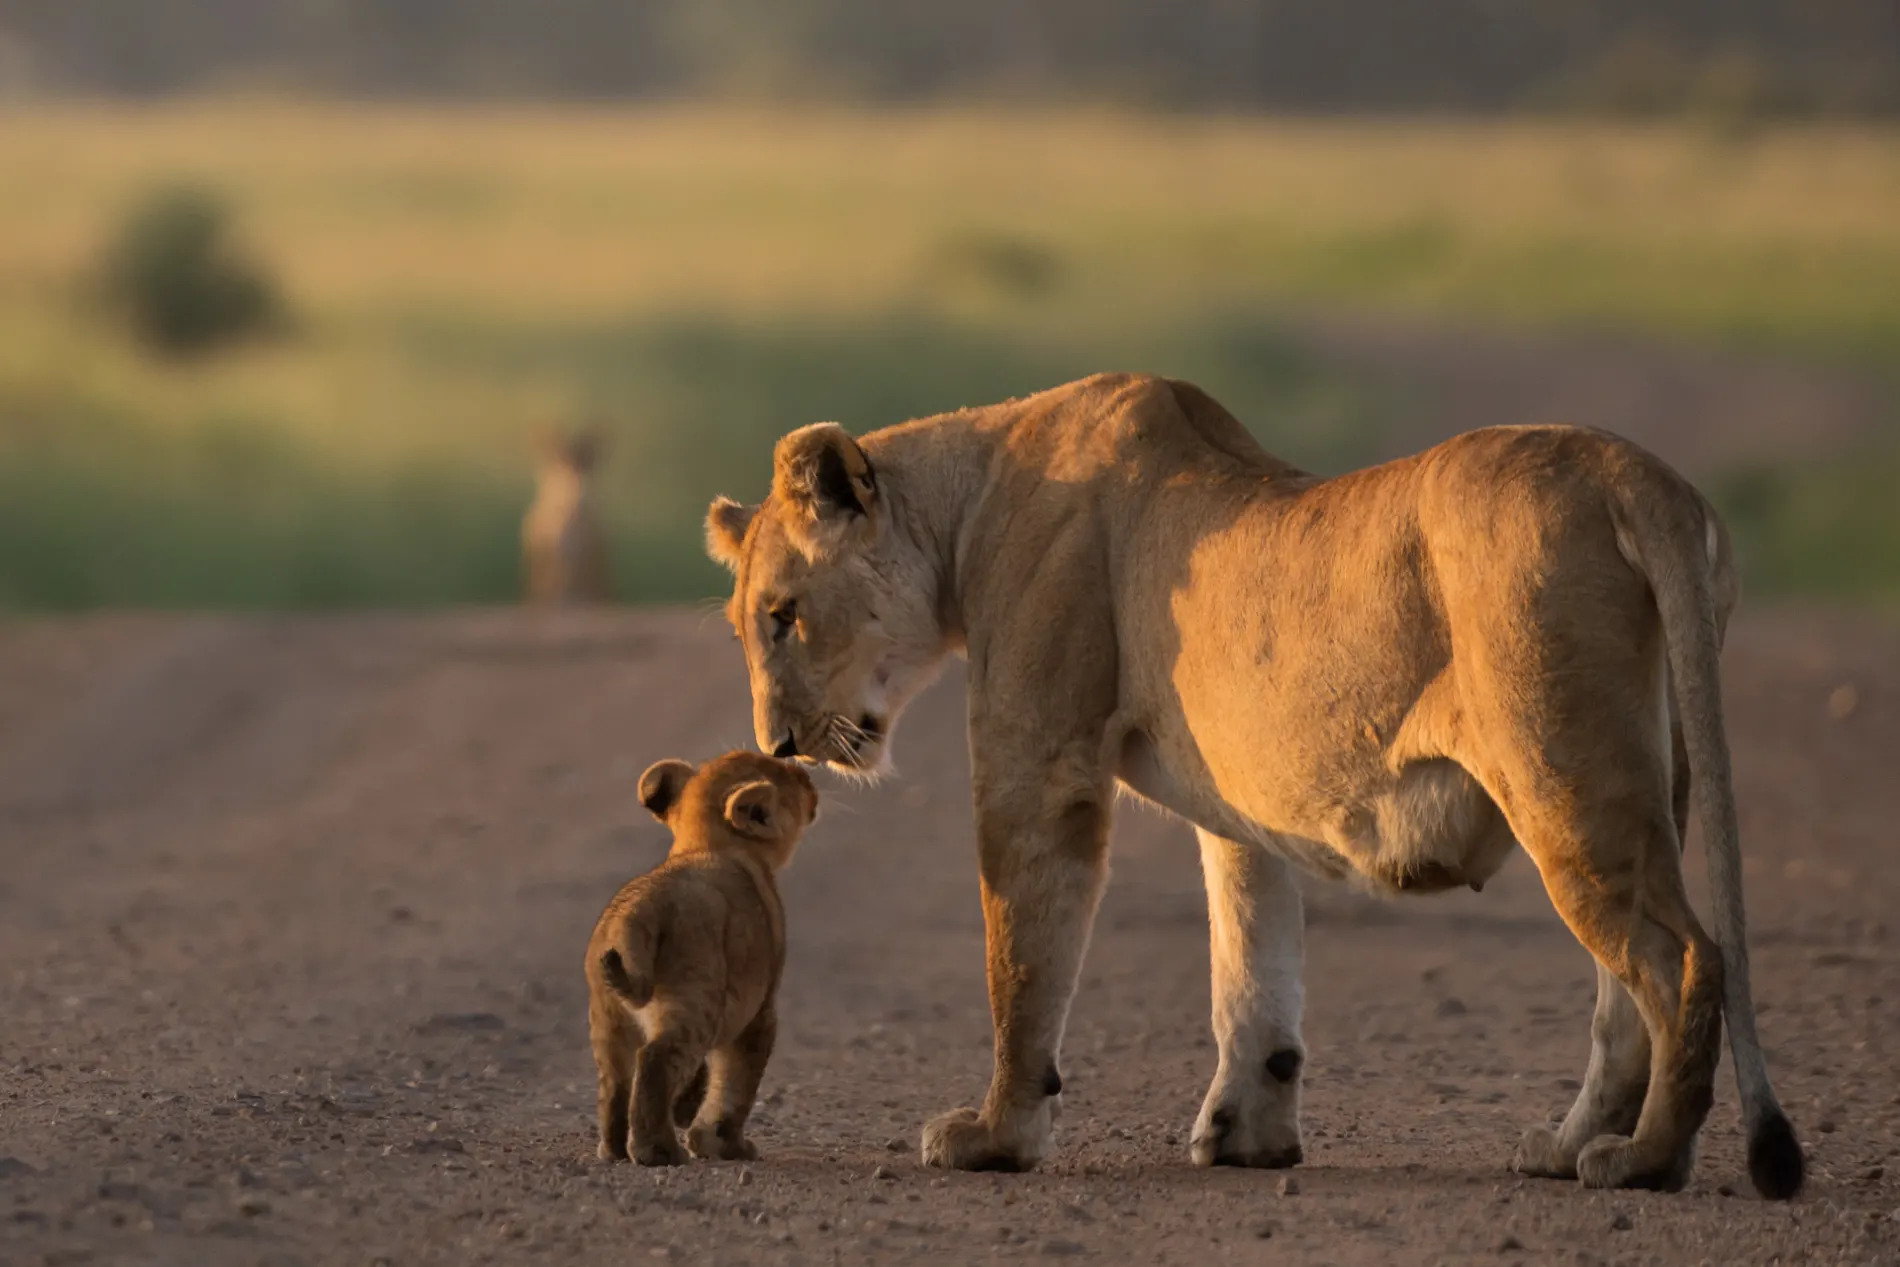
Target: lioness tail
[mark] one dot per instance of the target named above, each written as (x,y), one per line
(1679,546)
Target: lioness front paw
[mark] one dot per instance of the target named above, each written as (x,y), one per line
(1242,1125)
(962,1140)
(1540,1153)
(717,1141)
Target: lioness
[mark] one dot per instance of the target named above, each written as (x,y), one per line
(683,967)
(1397,675)
(563,550)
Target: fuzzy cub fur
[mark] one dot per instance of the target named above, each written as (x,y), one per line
(684,965)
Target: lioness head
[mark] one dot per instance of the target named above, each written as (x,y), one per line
(838,620)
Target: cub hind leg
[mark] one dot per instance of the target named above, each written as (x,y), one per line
(718,1134)
(662,1073)
(616,1041)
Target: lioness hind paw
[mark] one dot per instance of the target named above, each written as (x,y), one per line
(1613,1161)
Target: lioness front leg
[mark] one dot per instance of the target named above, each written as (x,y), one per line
(1251,1116)
(1043,873)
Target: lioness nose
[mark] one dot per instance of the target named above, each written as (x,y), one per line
(787,747)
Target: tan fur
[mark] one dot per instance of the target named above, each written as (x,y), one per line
(683,967)
(1395,676)
(563,550)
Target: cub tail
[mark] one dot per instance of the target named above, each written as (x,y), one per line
(627,965)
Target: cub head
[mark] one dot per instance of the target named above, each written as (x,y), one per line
(765,803)
(838,617)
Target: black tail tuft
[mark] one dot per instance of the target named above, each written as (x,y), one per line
(1774,1159)
(638,993)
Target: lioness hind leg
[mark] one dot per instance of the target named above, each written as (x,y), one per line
(1611,1100)
(1629,909)
(1251,1116)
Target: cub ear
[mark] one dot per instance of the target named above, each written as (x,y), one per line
(821,475)
(752,809)
(726,524)
(662,784)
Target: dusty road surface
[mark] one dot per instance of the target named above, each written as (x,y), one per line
(292,913)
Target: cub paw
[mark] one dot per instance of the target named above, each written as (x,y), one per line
(716,1141)
(1540,1154)
(659,1152)
(962,1140)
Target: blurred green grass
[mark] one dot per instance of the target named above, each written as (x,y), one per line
(705,280)
(98,507)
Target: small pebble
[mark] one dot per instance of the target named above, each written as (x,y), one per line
(1510,1245)
(883,1173)
(1873,1174)
(1620,1222)
(745,1176)
(896,1144)
(1842,702)
(1289,1186)
(1064,1249)
(1264,1232)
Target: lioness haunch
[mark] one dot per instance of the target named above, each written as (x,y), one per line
(1397,676)
(683,968)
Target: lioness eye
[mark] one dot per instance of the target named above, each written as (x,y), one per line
(783,617)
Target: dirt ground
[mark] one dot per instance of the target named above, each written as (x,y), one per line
(291,922)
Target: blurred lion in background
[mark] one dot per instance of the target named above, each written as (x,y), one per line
(564,551)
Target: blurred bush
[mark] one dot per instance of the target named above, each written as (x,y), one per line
(997,263)
(173,274)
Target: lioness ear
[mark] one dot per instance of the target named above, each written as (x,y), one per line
(661,785)
(825,479)
(752,809)
(726,524)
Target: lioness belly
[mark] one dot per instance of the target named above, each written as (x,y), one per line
(1436,829)
(1429,828)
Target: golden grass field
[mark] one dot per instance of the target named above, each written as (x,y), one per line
(707,278)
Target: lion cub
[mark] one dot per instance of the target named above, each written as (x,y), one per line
(684,965)
(563,549)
